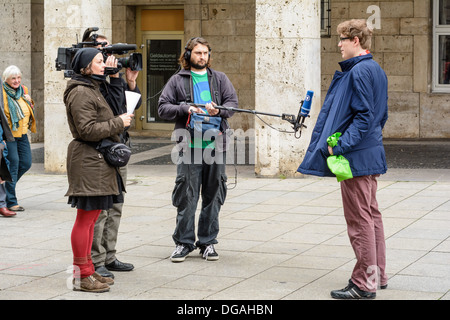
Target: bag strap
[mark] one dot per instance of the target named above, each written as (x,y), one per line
(188,121)
(93,144)
(215,90)
(187,88)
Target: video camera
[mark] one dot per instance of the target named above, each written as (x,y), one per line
(65,55)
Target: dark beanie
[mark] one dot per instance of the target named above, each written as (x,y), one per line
(83,57)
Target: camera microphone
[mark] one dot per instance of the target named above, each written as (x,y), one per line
(303,113)
(119,48)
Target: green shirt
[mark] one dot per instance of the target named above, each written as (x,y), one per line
(202,95)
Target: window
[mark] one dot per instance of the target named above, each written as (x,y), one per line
(325,22)
(441,46)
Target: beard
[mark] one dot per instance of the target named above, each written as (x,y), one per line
(199,66)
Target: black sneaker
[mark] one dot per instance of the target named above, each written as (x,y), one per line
(180,253)
(352,292)
(209,253)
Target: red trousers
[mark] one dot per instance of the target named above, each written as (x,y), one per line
(82,236)
(365,230)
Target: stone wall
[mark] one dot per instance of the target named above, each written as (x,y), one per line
(402,46)
(64,21)
(228,27)
(287,61)
(22,45)
(32,30)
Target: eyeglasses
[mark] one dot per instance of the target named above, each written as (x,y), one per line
(346,38)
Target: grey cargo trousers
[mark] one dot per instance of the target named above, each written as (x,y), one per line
(106,231)
(195,178)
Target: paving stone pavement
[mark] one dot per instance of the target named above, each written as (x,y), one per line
(280,239)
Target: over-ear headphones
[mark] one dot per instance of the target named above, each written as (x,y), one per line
(187,51)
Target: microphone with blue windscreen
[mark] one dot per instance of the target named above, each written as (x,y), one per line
(303,113)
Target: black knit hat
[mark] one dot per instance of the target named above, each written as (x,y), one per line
(83,57)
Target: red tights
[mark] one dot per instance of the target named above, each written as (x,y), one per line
(82,236)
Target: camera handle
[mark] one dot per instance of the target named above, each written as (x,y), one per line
(87,33)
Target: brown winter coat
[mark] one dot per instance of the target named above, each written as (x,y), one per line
(90,119)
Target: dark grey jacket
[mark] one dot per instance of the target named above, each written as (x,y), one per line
(172,106)
(7,136)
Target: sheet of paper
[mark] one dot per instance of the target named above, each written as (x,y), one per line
(132,98)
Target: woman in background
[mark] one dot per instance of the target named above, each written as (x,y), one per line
(19,112)
(5,135)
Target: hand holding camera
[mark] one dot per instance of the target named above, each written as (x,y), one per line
(111,63)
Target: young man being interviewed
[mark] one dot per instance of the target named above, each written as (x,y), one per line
(356,106)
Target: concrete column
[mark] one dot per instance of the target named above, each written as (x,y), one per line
(65,20)
(16,41)
(287,66)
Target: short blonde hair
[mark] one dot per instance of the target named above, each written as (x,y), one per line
(357,28)
(10,72)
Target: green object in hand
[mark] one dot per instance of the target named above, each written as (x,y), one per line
(338,165)
(333,139)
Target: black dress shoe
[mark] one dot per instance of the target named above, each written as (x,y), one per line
(116,265)
(16,208)
(352,292)
(104,272)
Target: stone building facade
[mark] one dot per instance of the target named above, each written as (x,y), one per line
(271,50)
(403,46)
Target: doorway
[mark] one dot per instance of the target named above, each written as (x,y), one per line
(161,32)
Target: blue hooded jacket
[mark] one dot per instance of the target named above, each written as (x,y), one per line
(356,106)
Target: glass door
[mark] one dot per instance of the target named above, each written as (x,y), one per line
(160,55)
